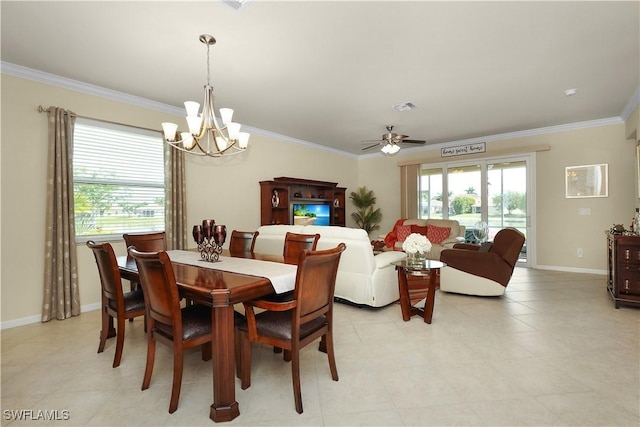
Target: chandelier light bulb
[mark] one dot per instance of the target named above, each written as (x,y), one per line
(226,114)
(170,130)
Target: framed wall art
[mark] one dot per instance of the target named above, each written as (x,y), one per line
(587,181)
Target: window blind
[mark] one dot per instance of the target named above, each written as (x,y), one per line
(118,180)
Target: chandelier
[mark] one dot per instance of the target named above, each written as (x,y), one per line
(206,137)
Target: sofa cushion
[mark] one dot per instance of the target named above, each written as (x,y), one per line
(437,234)
(420,229)
(453,224)
(402,232)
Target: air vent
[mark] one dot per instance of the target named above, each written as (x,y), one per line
(405,106)
(236,4)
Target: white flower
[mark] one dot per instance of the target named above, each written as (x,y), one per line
(416,243)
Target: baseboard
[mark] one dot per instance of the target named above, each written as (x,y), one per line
(572,269)
(38,317)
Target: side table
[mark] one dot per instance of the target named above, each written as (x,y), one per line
(426,268)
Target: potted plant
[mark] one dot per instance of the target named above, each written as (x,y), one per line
(366,217)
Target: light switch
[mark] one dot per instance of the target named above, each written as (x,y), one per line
(584,211)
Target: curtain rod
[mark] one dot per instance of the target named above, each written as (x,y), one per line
(41,109)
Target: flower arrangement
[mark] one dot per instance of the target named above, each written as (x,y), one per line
(416,243)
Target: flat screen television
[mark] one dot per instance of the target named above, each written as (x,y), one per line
(311,213)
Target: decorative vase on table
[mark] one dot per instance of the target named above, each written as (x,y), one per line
(416,246)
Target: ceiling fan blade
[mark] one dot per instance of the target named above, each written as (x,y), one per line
(412,141)
(371,140)
(370,146)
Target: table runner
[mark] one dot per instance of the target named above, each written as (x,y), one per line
(282,276)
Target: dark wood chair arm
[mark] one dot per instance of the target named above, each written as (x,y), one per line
(271,305)
(466,246)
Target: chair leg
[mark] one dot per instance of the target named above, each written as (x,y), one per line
(295,375)
(105,330)
(206,351)
(287,356)
(177,377)
(245,356)
(151,355)
(133,285)
(331,356)
(119,342)
(237,353)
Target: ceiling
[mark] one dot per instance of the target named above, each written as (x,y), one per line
(329,72)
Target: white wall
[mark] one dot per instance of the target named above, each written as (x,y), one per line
(560,230)
(227,191)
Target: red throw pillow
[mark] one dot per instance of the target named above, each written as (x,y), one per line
(420,229)
(403,232)
(437,234)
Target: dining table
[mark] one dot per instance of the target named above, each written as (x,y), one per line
(220,285)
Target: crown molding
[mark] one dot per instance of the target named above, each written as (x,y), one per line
(631,105)
(78,86)
(89,89)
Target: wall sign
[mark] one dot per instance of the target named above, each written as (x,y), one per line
(479,147)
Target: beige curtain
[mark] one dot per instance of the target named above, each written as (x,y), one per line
(61,294)
(175,198)
(409,177)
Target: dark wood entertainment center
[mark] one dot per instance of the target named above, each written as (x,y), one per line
(277,198)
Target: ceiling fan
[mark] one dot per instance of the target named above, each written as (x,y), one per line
(390,141)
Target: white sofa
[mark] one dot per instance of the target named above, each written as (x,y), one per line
(363,278)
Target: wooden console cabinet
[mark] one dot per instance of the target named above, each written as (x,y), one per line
(277,198)
(623,268)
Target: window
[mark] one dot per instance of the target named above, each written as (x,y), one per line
(118,180)
(494,191)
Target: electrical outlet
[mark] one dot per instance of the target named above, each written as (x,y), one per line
(580,253)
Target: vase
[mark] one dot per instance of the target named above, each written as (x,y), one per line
(416,259)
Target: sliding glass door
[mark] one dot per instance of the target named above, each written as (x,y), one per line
(492,193)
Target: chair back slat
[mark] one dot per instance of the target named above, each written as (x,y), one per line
(146,242)
(242,241)
(159,285)
(110,280)
(316,281)
(295,243)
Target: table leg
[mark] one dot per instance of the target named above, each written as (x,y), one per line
(405,302)
(431,295)
(224,406)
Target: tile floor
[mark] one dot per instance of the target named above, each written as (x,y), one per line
(552,351)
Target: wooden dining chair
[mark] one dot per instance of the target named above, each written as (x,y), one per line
(145,242)
(295,243)
(242,241)
(292,325)
(115,303)
(179,328)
